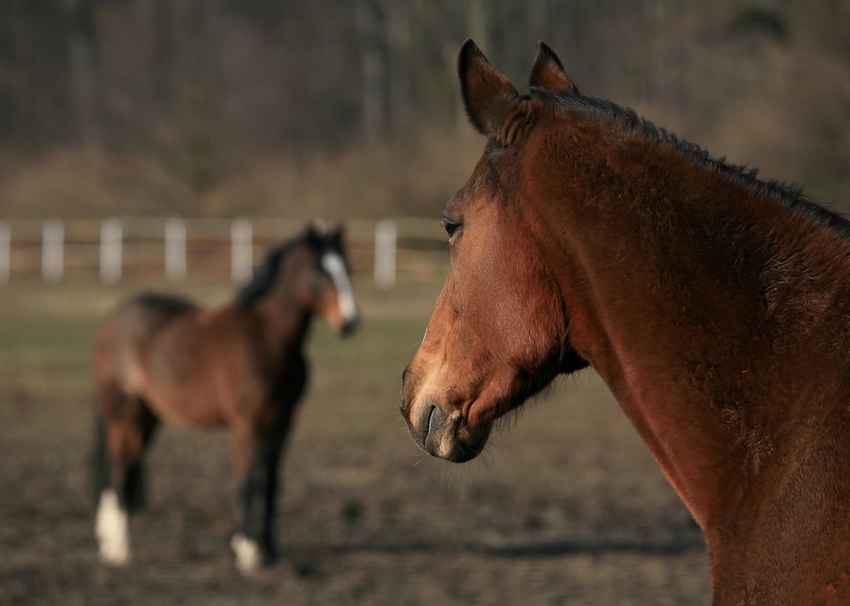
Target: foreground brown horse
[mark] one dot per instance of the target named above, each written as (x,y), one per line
(242,366)
(715,306)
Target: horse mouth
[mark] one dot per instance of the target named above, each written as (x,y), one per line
(447,435)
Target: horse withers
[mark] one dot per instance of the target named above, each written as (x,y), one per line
(241,366)
(715,306)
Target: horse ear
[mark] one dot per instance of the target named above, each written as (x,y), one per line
(318,226)
(488,96)
(548,73)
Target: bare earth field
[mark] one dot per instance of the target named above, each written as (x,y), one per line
(565,507)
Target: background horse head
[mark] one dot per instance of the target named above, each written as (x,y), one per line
(241,366)
(323,288)
(714,305)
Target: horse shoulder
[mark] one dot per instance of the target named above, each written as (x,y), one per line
(277,360)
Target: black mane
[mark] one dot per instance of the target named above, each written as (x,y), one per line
(266,274)
(790,195)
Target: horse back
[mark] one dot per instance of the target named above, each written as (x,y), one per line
(135,323)
(151,348)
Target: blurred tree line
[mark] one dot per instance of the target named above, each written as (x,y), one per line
(206,86)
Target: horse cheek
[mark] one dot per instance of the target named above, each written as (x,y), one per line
(506,320)
(329,310)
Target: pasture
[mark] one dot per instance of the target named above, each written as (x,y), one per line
(565,507)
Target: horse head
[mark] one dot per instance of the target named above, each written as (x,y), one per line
(328,283)
(310,271)
(498,332)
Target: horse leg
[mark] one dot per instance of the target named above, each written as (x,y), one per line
(124,429)
(259,454)
(272,445)
(244,543)
(111,523)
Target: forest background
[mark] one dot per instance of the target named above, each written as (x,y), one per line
(350,108)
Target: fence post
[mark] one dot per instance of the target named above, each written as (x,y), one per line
(386,235)
(52,251)
(111,235)
(241,251)
(5,253)
(175,249)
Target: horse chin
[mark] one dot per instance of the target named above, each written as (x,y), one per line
(344,327)
(447,434)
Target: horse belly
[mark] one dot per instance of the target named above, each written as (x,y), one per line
(194,403)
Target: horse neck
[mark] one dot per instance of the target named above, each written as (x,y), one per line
(285,317)
(667,300)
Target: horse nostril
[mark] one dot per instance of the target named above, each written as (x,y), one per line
(430,421)
(431,425)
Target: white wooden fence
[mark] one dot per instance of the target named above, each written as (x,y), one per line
(119,249)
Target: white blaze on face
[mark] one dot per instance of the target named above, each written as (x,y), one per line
(335,266)
(112,529)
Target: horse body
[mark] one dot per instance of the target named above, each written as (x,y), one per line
(201,367)
(715,307)
(240,366)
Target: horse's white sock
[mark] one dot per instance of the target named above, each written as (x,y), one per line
(112,529)
(248,556)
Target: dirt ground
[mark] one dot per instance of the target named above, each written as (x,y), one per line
(565,507)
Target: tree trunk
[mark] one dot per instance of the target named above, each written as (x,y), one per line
(371,21)
(83,53)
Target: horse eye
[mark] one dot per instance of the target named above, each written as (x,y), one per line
(450,226)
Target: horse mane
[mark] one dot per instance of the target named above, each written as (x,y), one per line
(266,274)
(789,195)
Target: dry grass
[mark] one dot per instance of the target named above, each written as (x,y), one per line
(410,178)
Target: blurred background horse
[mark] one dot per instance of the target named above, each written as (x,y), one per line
(241,366)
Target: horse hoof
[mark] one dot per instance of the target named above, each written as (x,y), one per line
(248,554)
(114,555)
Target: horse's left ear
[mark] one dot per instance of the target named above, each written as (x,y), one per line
(548,73)
(489,97)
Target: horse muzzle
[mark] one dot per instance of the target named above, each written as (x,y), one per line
(442,431)
(349,326)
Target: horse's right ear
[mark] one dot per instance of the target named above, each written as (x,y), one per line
(548,73)
(489,97)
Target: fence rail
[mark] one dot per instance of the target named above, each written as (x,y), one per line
(129,248)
